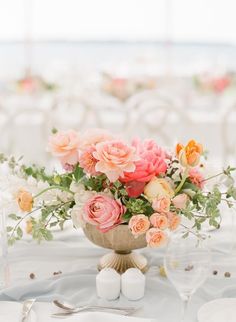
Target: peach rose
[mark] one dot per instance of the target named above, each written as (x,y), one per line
(24,200)
(103,212)
(93,136)
(65,146)
(174,220)
(161,204)
(114,158)
(157,188)
(180,201)
(139,224)
(156,237)
(87,161)
(159,221)
(190,154)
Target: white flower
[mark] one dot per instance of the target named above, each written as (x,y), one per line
(76,216)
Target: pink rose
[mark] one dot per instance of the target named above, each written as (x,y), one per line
(65,146)
(139,224)
(103,212)
(174,220)
(88,162)
(114,157)
(159,221)
(156,237)
(180,201)
(161,204)
(196,177)
(93,136)
(151,162)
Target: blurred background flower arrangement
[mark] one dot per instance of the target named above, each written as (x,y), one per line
(106,181)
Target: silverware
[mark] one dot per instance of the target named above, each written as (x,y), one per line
(26,308)
(68,313)
(69,309)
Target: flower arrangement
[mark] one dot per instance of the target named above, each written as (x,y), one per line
(124,87)
(107,182)
(216,84)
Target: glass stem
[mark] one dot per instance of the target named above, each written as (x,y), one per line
(185,302)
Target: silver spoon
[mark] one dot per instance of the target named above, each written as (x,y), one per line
(68,307)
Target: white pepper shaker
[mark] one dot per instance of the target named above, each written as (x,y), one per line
(108,284)
(133,284)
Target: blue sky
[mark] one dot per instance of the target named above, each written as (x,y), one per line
(186,20)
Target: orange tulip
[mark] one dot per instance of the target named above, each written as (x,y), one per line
(190,154)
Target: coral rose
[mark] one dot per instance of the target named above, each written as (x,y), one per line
(190,154)
(88,162)
(24,200)
(151,162)
(180,201)
(157,188)
(159,221)
(103,212)
(93,136)
(114,158)
(139,224)
(161,204)
(156,237)
(174,220)
(65,146)
(196,177)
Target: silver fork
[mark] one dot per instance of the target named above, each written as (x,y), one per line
(26,308)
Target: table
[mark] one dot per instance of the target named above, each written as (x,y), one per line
(72,254)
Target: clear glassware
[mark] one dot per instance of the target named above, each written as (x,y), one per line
(4,270)
(187,263)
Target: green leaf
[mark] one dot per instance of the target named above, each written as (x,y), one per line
(19,232)
(9,229)
(78,173)
(14,217)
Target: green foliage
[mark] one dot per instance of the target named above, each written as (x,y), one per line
(138,206)
(95,183)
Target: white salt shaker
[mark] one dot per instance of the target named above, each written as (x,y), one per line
(108,284)
(133,284)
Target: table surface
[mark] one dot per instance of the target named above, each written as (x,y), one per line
(72,254)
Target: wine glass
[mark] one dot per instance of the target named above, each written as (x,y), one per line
(187,263)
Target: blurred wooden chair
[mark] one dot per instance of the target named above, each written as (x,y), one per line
(228,135)
(28,135)
(158,115)
(68,111)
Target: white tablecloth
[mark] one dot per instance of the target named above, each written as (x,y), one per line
(73,255)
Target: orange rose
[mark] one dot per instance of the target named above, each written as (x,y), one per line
(159,221)
(190,154)
(25,200)
(174,220)
(139,224)
(156,237)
